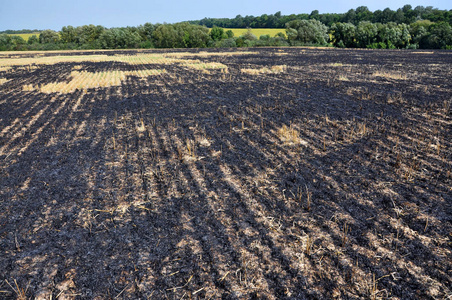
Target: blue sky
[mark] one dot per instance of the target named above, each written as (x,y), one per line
(54,14)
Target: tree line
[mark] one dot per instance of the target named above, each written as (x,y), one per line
(406,15)
(20,31)
(428,28)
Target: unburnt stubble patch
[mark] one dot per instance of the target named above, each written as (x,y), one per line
(290,135)
(87,80)
(391,75)
(266,70)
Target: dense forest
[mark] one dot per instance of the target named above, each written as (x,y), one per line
(421,27)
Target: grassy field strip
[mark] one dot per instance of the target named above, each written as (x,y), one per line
(257,31)
(25,36)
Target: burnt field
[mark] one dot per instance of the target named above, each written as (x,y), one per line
(284,173)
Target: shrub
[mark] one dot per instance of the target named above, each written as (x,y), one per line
(240,42)
(230,33)
(226,43)
(33,40)
(248,36)
(217,34)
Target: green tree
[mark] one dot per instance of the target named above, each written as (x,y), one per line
(307,32)
(362,13)
(394,35)
(107,39)
(5,42)
(387,34)
(440,36)
(249,36)
(366,34)
(195,36)
(119,38)
(404,37)
(49,37)
(217,33)
(409,14)
(314,15)
(387,15)
(419,31)
(229,33)
(350,16)
(33,40)
(17,43)
(131,38)
(181,35)
(87,34)
(399,16)
(68,34)
(166,36)
(146,31)
(343,34)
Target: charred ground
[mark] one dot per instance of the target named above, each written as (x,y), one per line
(326,176)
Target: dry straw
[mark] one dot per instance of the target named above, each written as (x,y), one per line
(290,135)
(390,75)
(265,70)
(87,80)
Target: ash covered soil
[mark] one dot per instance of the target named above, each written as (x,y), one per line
(326,177)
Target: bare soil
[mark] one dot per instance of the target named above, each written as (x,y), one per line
(184,186)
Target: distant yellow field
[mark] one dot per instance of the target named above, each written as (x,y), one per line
(257,31)
(26,36)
